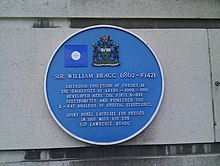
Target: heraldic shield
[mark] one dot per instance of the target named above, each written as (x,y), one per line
(105,52)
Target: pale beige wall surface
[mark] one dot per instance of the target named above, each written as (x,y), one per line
(214,38)
(185,115)
(190,111)
(111,8)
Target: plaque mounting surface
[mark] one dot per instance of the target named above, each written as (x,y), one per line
(103,85)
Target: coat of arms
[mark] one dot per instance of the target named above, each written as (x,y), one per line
(105,52)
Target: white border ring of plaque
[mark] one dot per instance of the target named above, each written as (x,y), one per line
(103,85)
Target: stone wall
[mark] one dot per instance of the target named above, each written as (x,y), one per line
(184,35)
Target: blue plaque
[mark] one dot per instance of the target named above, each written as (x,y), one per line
(103,85)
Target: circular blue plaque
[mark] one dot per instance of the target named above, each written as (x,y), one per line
(103,85)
